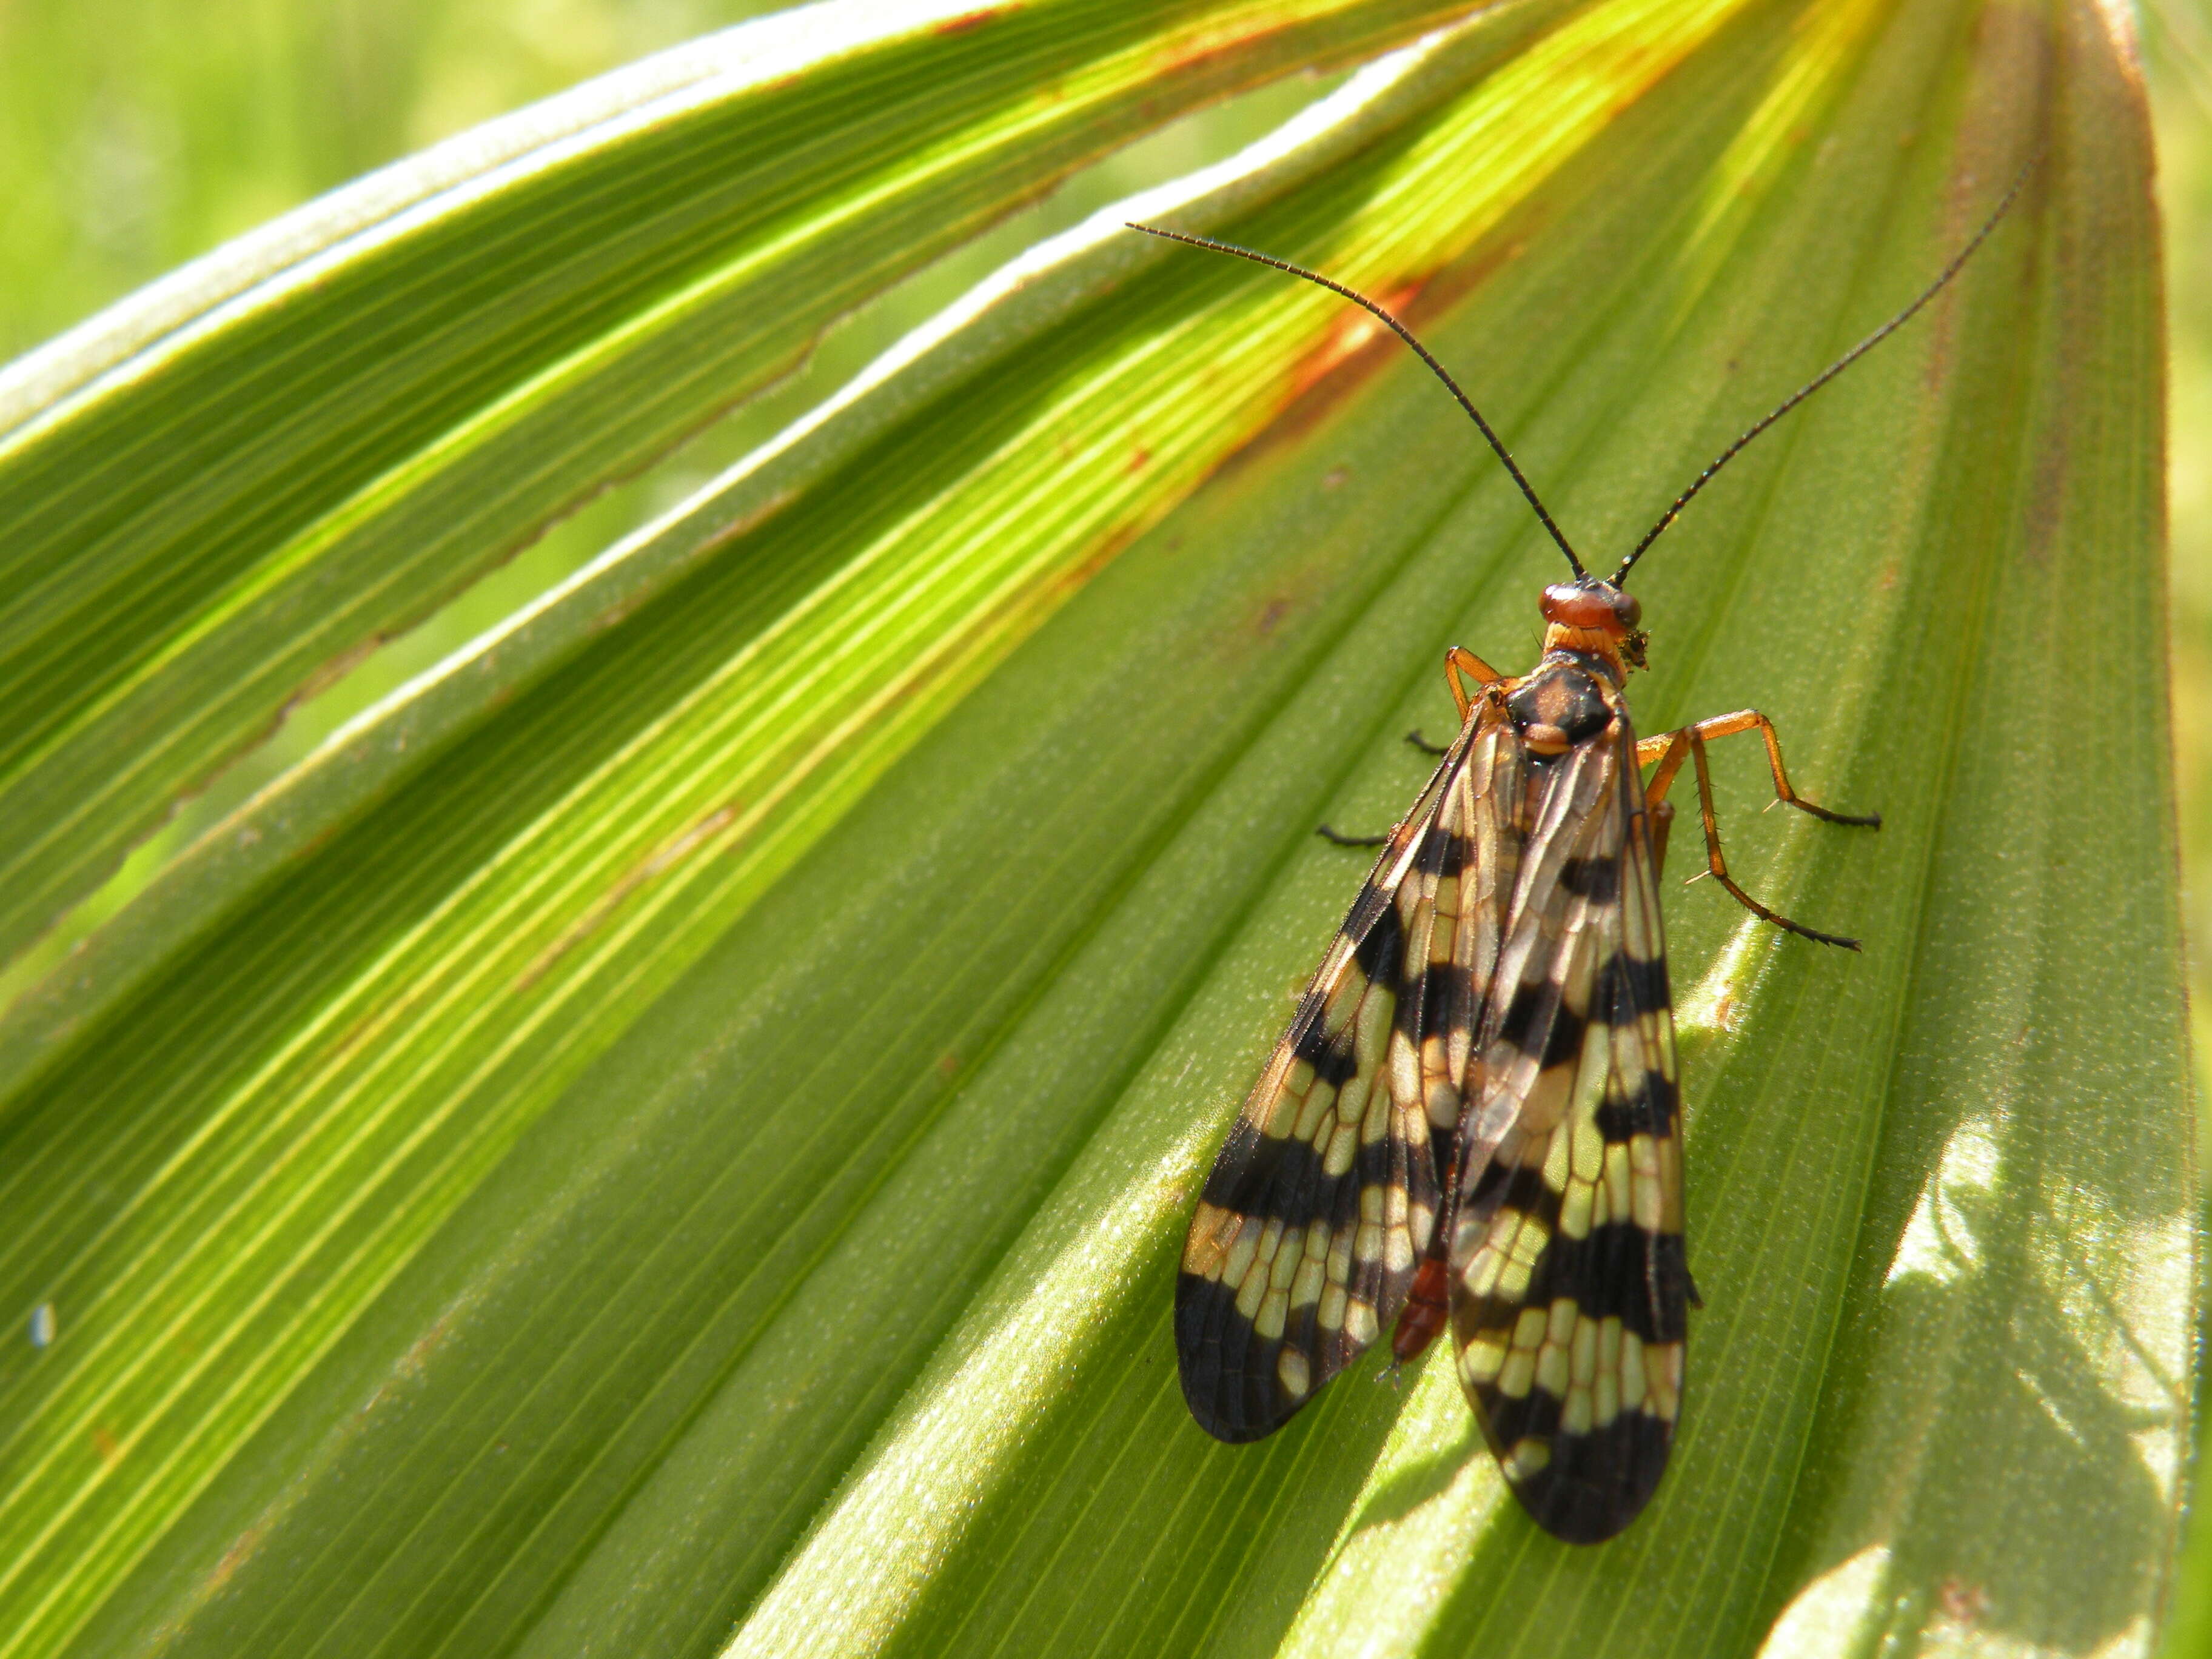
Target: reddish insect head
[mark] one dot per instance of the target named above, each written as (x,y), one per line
(1592,605)
(1594,618)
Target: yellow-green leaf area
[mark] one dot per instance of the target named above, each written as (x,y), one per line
(674,1134)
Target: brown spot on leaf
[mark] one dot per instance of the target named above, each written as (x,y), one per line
(1078,574)
(972,20)
(1964,1604)
(241,1549)
(353,1033)
(1353,331)
(1197,49)
(2046,516)
(417,1359)
(1356,345)
(670,853)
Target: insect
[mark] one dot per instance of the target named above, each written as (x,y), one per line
(1473,1117)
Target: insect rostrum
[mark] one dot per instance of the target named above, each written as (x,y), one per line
(1473,1119)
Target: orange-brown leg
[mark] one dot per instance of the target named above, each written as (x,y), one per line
(1716,867)
(1671,748)
(1660,820)
(1667,749)
(1459,660)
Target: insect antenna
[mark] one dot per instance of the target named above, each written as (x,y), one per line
(1420,351)
(1941,281)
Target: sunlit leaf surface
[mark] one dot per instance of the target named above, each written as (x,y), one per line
(673,1133)
(304,442)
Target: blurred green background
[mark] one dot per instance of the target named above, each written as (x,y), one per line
(135,134)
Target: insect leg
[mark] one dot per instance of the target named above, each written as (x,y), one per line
(1459,661)
(1670,750)
(1660,819)
(1746,719)
(1716,866)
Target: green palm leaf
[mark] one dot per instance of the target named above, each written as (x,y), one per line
(673,1131)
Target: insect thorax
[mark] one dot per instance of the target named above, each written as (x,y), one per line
(1562,704)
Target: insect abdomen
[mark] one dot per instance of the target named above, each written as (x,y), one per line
(1427,1308)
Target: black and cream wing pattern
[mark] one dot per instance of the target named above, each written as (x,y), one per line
(1324,1194)
(1570,1290)
(1489,1036)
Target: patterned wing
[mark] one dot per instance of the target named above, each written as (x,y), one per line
(1325,1193)
(1569,1289)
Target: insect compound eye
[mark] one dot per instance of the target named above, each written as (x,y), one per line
(1627,611)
